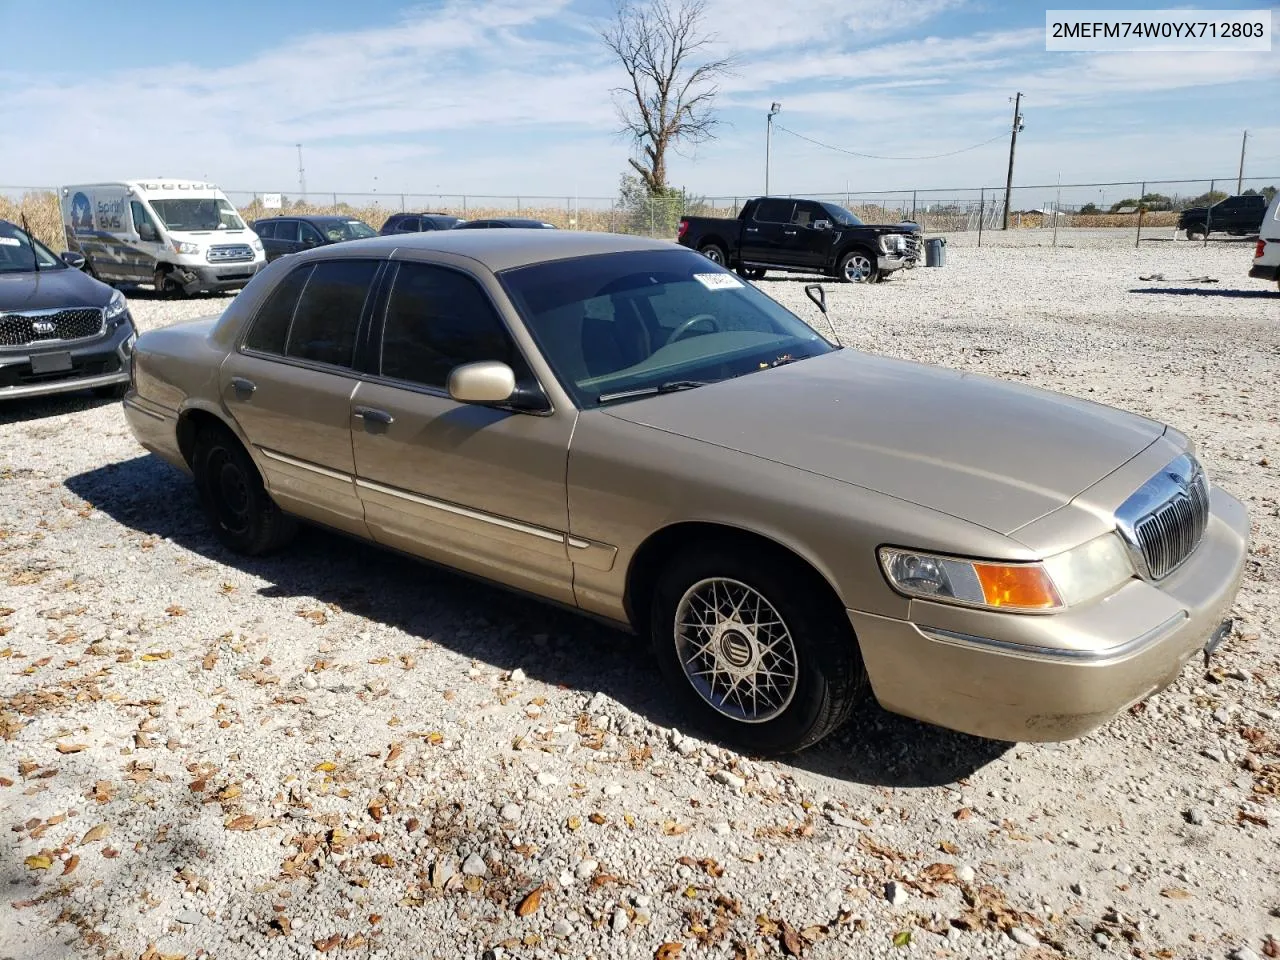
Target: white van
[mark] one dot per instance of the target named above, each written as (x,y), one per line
(182,236)
(1266,259)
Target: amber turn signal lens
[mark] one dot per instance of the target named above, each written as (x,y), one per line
(1022,586)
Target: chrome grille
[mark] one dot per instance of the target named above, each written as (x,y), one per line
(230,253)
(1166,518)
(79,323)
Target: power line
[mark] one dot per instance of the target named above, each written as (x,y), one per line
(872,156)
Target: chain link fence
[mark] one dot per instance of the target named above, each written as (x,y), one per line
(1129,211)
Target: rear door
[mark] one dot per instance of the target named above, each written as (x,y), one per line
(478,488)
(762,233)
(289,386)
(279,238)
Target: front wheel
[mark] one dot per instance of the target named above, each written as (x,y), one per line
(757,650)
(715,253)
(240,510)
(1196,233)
(858,266)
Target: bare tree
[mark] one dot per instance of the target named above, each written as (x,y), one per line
(673,87)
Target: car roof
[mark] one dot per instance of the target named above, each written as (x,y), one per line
(496,249)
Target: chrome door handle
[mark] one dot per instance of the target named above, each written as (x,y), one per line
(243,387)
(753,230)
(789,233)
(372,415)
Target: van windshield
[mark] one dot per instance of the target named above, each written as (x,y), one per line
(190,213)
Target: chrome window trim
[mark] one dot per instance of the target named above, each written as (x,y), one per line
(1023,651)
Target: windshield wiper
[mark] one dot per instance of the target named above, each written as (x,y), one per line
(671,386)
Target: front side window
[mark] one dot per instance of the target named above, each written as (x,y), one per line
(197,214)
(265,231)
(643,319)
(438,319)
(841,216)
(408,225)
(307,233)
(140,216)
(339,230)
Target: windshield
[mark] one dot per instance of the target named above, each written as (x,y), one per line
(842,216)
(19,255)
(337,230)
(190,213)
(621,322)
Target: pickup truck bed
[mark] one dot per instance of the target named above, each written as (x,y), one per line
(803,236)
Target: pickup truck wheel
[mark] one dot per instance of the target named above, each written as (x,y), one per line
(714,252)
(751,273)
(240,510)
(1195,233)
(858,266)
(759,653)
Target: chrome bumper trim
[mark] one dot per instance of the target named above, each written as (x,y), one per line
(1120,651)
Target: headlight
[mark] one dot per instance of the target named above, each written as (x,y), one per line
(182,246)
(893,243)
(256,244)
(116,306)
(1071,577)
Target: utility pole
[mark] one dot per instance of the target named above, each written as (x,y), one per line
(1013,145)
(302,175)
(768,143)
(1240,177)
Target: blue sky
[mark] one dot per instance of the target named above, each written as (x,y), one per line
(513,97)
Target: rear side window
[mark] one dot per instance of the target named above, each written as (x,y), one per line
(775,211)
(265,231)
(408,225)
(327,318)
(270,330)
(438,319)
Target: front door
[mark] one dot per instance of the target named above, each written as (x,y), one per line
(144,252)
(803,244)
(478,488)
(289,387)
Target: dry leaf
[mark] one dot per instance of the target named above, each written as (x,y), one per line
(38,862)
(671,828)
(393,754)
(792,945)
(384,860)
(70,864)
(327,766)
(210,661)
(155,655)
(902,938)
(964,813)
(946,846)
(530,903)
(597,818)
(72,747)
(174,610)
(243,822)
(574,822)
(472,884)
(668,951)
(229,793)
(329,943)
(97,833)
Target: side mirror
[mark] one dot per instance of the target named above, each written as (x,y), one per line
(487,381)
(818,295)
(147,232)
(310,242)
(73,259)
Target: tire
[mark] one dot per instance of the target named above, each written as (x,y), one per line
(752,273)
(114,392)
(165,286)
(858,266)
(1195,233)
(827,674)
(715,253)
(240,510)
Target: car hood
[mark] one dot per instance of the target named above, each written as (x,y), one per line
(56,287)
(989,452)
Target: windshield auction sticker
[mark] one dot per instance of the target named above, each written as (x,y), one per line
(717,281)
(1151,31)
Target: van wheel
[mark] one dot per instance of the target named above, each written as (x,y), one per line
(165,285)
(759,653)
(240,510)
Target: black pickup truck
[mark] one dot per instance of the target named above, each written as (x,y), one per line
(802,236)
(1240,216)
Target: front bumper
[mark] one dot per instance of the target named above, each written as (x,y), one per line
(1265,271)
(1060,676)
(885,264)
(103,362)
(212,279)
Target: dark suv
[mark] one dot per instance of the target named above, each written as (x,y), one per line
(1240,216)
(282,235)
(60,329)
(419,222)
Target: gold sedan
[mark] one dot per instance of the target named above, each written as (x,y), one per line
(622,427)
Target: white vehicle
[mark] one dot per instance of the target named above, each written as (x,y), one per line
(182,236)
(1266,258)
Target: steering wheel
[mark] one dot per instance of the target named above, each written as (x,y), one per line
(685,327)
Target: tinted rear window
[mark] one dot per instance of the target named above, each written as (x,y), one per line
(328,315)
(270,330)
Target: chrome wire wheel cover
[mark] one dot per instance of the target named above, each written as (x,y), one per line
(857,268)
(736,650)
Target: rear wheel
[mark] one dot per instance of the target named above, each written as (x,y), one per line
(752,273)
(759,652)
(1195,233)
(713,252)
(858,266)
(242,513)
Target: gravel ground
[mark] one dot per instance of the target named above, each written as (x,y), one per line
(336,750)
